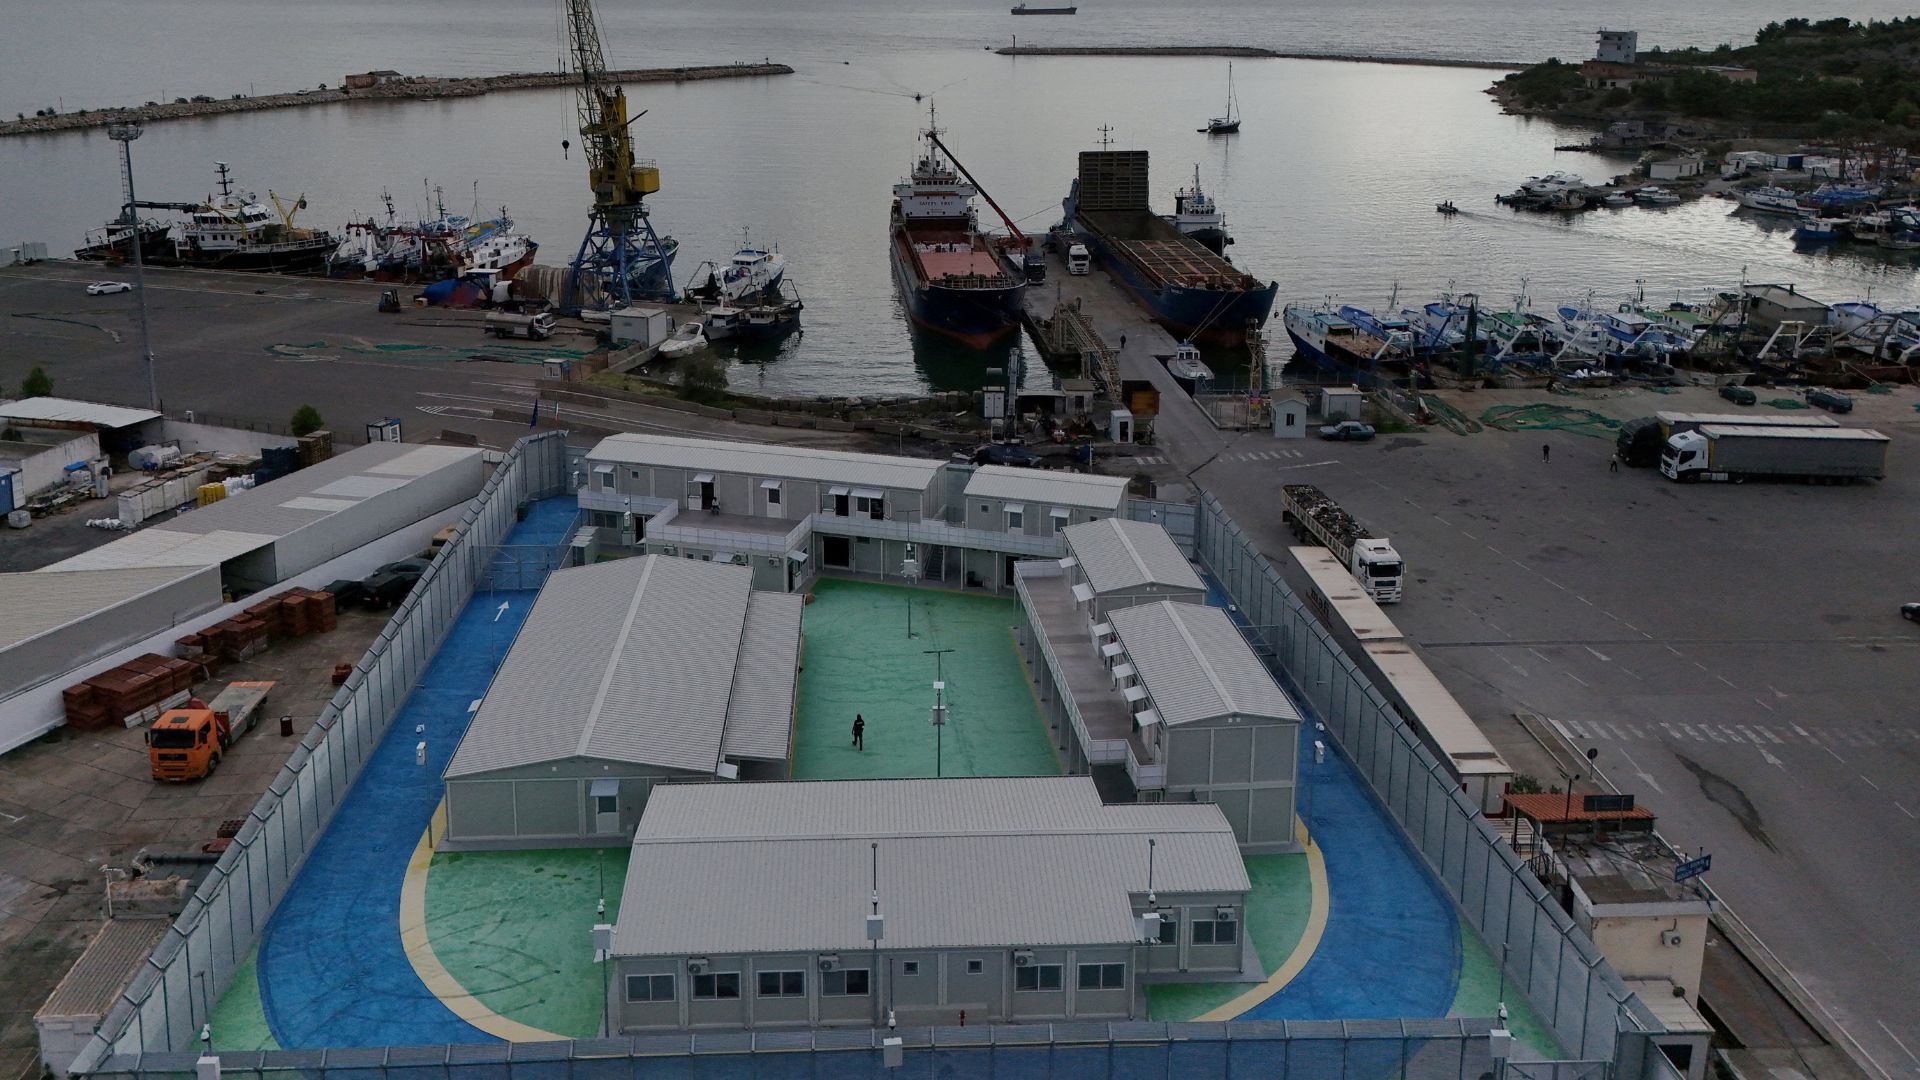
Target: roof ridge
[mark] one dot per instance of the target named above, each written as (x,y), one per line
(613,660)
(1139,561)
(931,834)
(1200,657)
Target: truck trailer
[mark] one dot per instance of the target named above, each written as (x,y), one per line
(1736,452)
(1641,442)
(187,743)
(1370,559)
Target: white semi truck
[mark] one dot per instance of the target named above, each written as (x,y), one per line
(1736,452)
(1369,558)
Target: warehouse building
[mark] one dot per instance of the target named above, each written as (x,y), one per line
(1114,563)
(1164,699)
(265,535)
(794,513)
(55,619)
(626,675)
(1003,899)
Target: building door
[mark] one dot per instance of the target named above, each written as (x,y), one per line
(837,552)
(605,797)
(1006,570)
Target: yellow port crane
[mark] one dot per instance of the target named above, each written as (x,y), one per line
(621,259)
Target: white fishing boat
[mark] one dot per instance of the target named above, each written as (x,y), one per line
(752,273)
(1772,200)
(1655,196)
(687,338)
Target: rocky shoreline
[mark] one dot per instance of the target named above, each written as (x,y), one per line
(1243,51)
(421,88)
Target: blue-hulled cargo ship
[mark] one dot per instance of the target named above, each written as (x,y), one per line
(954,279)
(1195,293)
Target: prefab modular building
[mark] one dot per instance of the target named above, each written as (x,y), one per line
(1115,563)
(1003,899)
(625,675)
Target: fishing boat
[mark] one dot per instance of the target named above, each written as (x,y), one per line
(1617,199)
(1332,343)
(1187,368)
(954,279)
(1772,200)
(115,241)
(236,231)
(1655,196)
(752,272)
(1196,294)
(1023,9)
(1903,230)
(1230,123)
(1819,230)
(1195,214)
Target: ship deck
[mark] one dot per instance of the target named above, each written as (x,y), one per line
(954,257)
(1164,254)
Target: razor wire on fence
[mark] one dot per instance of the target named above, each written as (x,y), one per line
(1545,956)
(174,991)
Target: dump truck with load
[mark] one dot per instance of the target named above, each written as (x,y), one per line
(1736,452)
(1370,559)
(1642,441)
(187,743)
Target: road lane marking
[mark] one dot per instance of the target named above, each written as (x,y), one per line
(1468,535)
(1771,760)
(1641,773)
(1763,704)
(1597,653)
(1830,750)
(1869,781)
(1726,680)
(1574,677)
(1443,521)
(1883,1023)
(1906,811)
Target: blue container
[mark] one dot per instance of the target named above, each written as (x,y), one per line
(6,491)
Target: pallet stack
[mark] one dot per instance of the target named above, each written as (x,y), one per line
(314,448)
(126,694)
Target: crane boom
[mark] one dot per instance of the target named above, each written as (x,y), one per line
(1018,236)
(618,180)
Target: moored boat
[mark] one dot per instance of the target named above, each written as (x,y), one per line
(954,279)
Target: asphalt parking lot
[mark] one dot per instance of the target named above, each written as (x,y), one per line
(1734,653)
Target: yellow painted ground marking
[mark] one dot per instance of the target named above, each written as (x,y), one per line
(1302,952)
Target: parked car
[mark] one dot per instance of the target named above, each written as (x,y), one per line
(102,288)
(1739,395)
(347,592)
(1831,400)
(1011,454)
(1910,612)
(1347,431)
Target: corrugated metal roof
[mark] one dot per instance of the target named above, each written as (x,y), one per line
(1118,554)
(111,959)
(163,547)
(36,603)
(1045,486)
(1196,665)
(631,660)
(1003,870)
(1754,431)
(759,459)
(67,410)
(760,706)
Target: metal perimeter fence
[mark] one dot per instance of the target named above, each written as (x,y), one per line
(170,997)
(1271,1050)
(1545,956)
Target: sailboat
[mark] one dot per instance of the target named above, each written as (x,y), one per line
(1230,123)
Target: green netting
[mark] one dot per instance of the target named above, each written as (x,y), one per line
(1786,403)
(1449,417)
(857,658)
(1879,388)
(1550,418)
(1663,389)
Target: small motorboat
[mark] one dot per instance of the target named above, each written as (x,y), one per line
(1618,198)
(688,338)
(1655,196)
(1447,207)
(1187,368)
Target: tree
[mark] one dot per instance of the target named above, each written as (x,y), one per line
(306,420)
(705,379)
(38,384)
(1616,97)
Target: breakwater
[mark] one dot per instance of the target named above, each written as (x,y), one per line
(1248,52)
(406,88)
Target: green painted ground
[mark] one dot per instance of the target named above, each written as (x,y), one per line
(1479,995)
(238,1021)
(515,928)
(859,659)
(1277,912)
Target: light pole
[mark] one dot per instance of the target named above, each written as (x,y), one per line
(939,704)
(124,134)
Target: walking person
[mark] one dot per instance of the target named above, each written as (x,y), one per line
(1546,452)
(859,732)
(1123,341)
(1613,463)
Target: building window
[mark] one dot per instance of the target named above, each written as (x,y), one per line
(722,984)
(783,984)
(975,967)
(909,967)
(1169,928)
(773,496)
(1037,977)
(871,506)
(1016,518)
(606,804)
(635,473)
(1215,932)
(1103,976)
(649,988)
(848,982)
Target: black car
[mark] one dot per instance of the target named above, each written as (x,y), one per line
(1739,395)
(411,568)
(384,588)
(347,591)
(1010,454)
(1910,612)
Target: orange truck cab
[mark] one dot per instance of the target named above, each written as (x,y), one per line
(187,743)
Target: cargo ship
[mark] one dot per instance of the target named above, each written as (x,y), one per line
(1196,294)
(954,279)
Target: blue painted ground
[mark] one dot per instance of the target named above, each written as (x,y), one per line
(1392,942)
(332,971)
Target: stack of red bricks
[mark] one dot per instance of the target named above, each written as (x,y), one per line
(110,697)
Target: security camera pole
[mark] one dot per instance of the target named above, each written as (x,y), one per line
(124,134)
(939,705)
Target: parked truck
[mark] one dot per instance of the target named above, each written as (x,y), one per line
(187,743)
(1642,441)
(1370,559)
(1737,452)
(508,324)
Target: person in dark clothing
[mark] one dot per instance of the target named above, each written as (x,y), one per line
(859,732)
(1546,451)
(1123,341)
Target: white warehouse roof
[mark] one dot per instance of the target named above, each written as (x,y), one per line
(69,411)
(1195,665)
(1047,486)
(1117,554)
(36,603)
(759,459)
(639,661)
(999,862)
